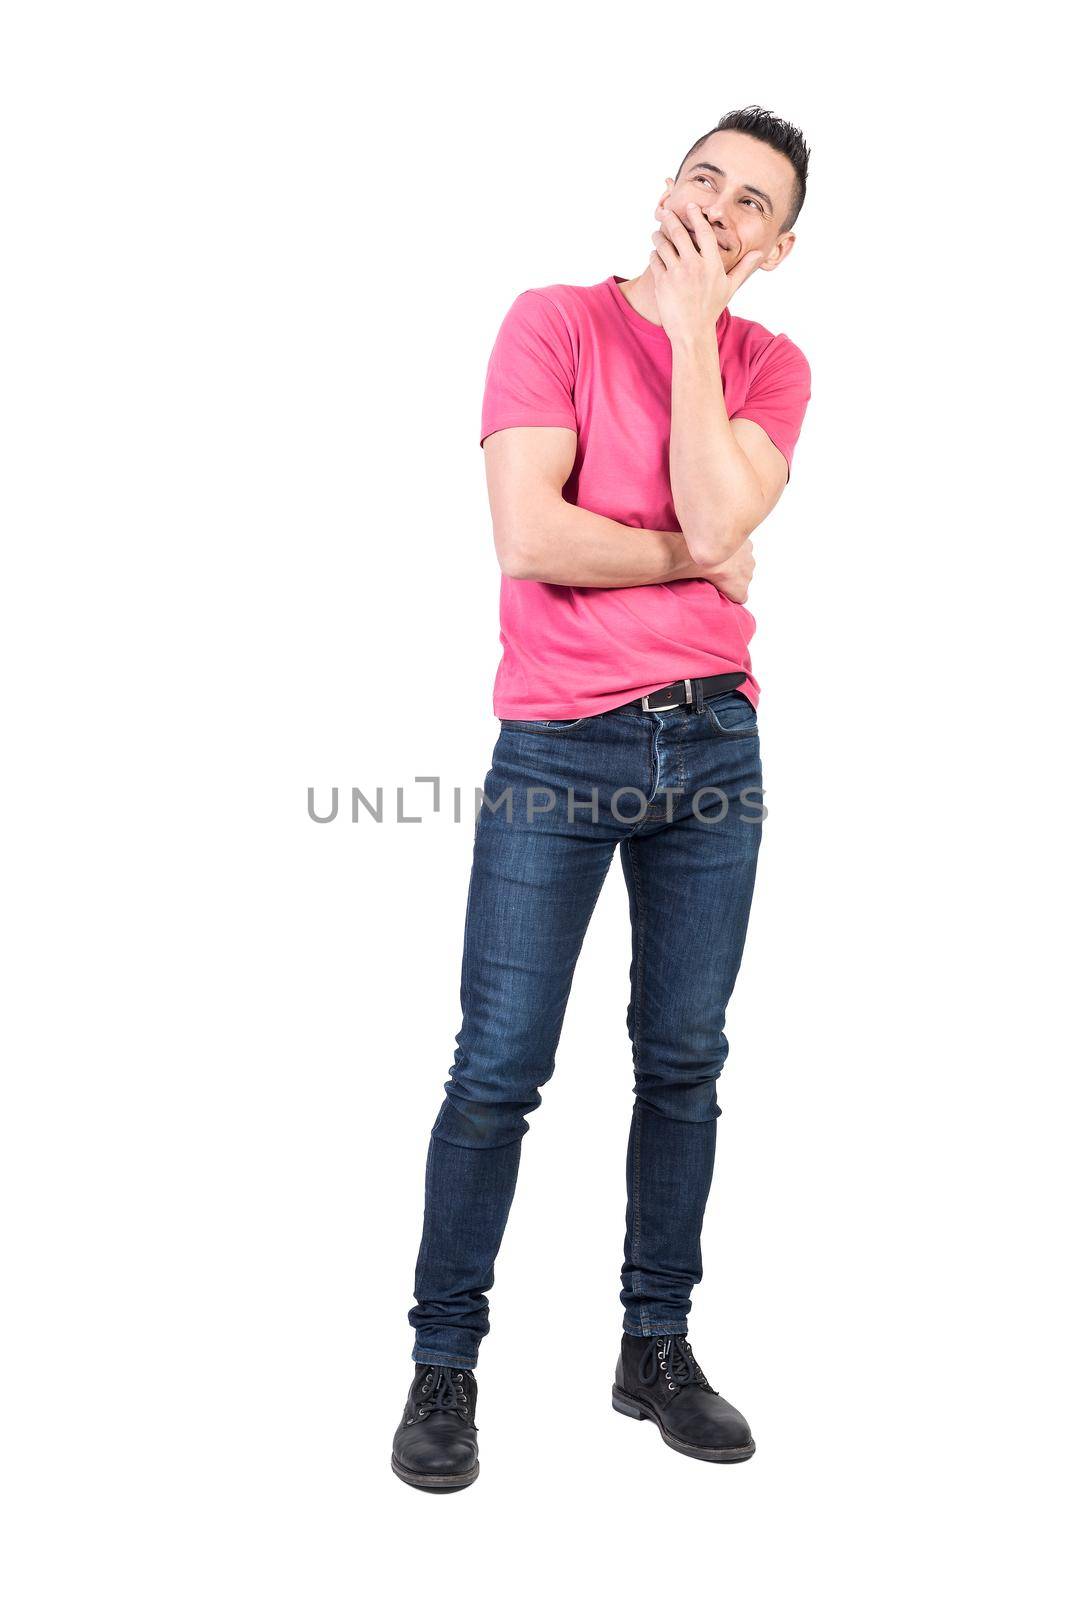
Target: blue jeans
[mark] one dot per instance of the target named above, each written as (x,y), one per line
(575,790)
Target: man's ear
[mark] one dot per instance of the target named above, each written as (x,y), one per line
(778,252)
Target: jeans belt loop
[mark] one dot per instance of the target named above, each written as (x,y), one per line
(698,696)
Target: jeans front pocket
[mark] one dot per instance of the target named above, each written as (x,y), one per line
(732,715)
(543,726)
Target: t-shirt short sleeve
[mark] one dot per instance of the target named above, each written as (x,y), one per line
(530,379)
(780,388)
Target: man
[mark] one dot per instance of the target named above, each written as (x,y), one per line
(635,432)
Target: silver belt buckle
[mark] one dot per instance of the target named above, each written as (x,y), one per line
(672,704)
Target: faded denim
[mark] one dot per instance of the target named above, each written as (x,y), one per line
(534,884)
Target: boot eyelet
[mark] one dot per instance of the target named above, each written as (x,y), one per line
(671,1386)
(664,1365)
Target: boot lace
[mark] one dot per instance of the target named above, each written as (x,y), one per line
(442,1389)
(675,1358)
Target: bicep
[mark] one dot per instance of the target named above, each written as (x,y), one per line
(526,469)
(766,459)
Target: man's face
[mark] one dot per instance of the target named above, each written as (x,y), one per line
(743,187)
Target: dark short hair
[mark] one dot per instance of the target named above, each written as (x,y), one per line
(781,136)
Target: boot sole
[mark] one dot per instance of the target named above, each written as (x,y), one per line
(629,1405)
(439,1482)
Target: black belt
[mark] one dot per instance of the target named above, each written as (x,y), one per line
(683,692)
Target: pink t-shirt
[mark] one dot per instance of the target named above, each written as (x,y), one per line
(581,357)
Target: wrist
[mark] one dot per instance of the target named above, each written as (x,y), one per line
(695,346)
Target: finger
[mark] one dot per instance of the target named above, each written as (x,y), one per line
(706,234)
(744,268)
(668,252)
(675,230)
(655,263)
(670,222)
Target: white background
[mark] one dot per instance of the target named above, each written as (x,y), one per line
(256,257)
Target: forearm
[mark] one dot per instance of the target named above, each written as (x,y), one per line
(714,488)
(568,545)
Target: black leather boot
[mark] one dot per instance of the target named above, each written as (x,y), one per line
(436,1445)
(658,1378)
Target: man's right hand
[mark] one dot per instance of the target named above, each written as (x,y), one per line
(732,578)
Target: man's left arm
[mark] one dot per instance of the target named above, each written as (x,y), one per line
(727,473)
(726,476)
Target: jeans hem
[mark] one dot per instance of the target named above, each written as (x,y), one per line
(658,1329)
(443,1358)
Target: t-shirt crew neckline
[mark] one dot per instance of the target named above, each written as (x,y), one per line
(652,330)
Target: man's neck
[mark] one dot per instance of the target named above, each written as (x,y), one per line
(641,295)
